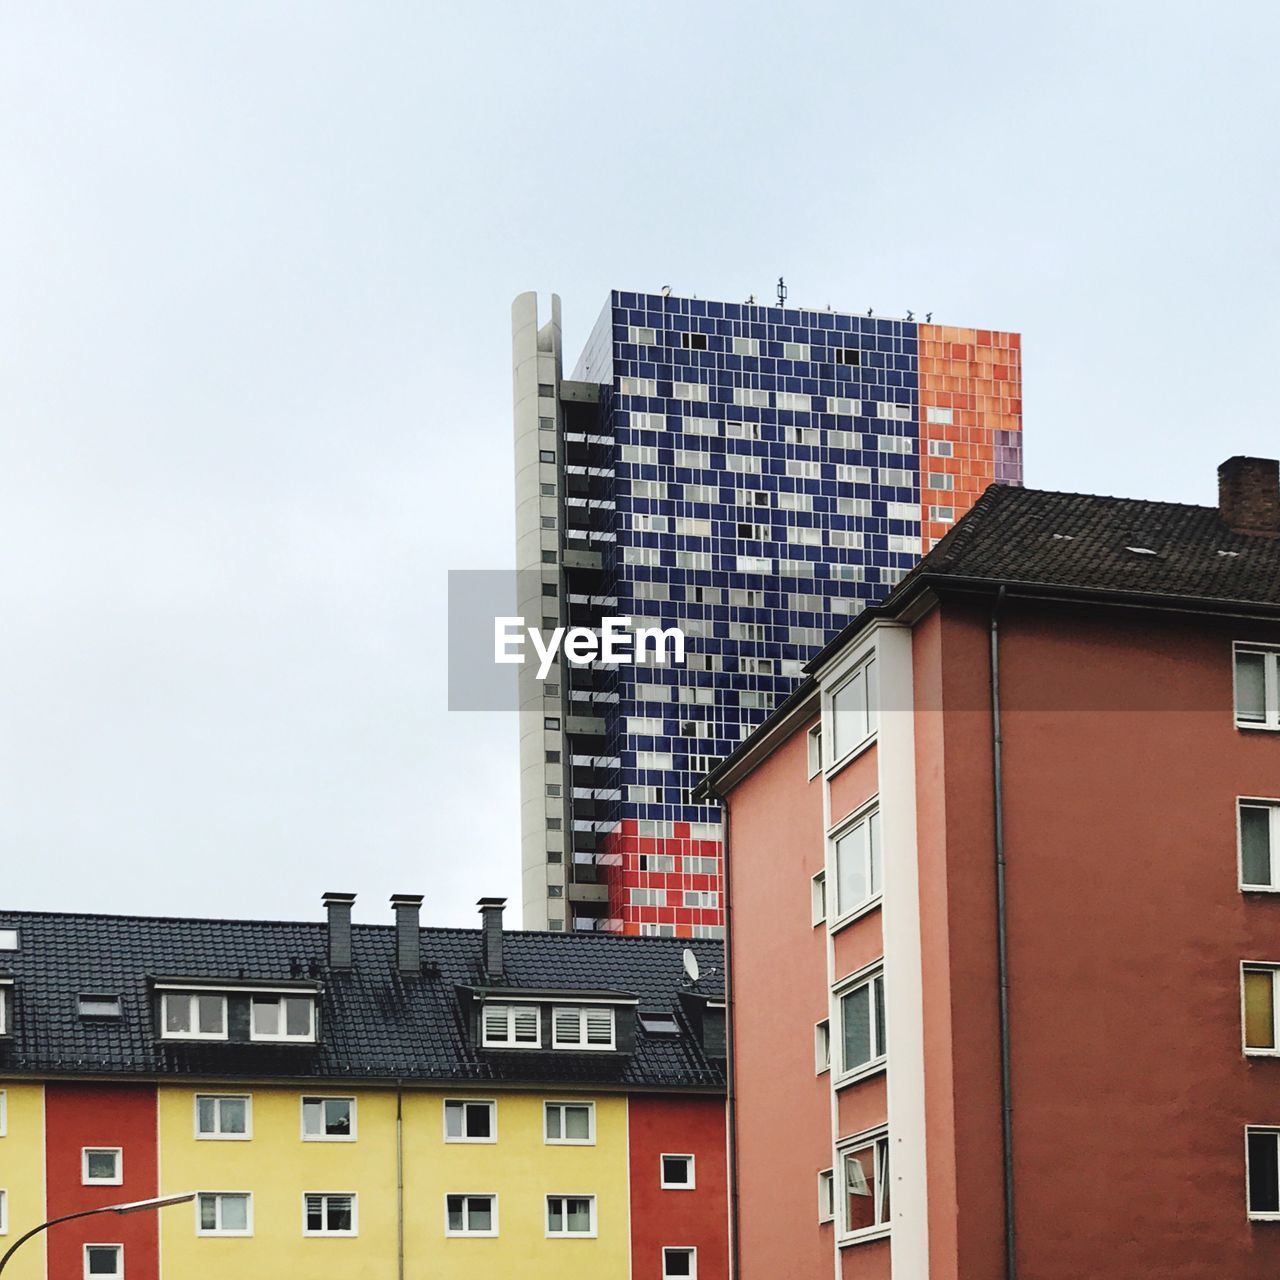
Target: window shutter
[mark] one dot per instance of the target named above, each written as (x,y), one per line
(568,1026)
(526,1025)
(495,1024)
(600,1027)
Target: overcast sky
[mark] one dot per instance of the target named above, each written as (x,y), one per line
(256,263)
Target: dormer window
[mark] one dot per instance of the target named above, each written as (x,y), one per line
(187,1015)
(582,1028)
(6,997)
(511,1026)
(283,1018)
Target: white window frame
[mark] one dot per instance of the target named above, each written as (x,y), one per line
(1270,686)
(1273,969)
(583,1013)
(512,1011)
(465,1234)
(838,912)
(818,898)
(879,1139)
(5,988)
(215,1232)
(217,1099)
(4,1211)
(464,1103)
(4,1113)
(691,1250)
(865,977)
(191,997)
(325,1197)
(1265,1215)
(326,1137)
(826,1195)
(815,750)
(866,675)
(569,1235)
(1273,808)
(588,1141)
(87,1181)
(118,1274)
(691,1163)
(822,1046)
(282,1036)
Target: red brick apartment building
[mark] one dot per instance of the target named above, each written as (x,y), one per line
(1005,909)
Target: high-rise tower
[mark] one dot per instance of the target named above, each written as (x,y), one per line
(754,475)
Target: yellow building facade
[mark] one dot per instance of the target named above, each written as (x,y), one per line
(22,1146)
(396,1160)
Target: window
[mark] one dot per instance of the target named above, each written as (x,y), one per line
(679,1262)
(795,351)
(104,1261)
(551,722)
(940,448)
(282,1018)
(826,1195)
(942,515)
(1262,1171)
(193,1016)
(848,355)
(329,1213)
(4,1007)
(223,1116)
(570,1123)
(858,864)
(643,336)
(694,341)
(822,1046)
(1257,687)
(329,1119)
(470,1121)
(546,424)
(510,1026)
(1259,995)
(677,1173)
(546,389)
(99,1006)
(101,1166)
(8,939)
(224,1213)
(865,1178)
(941,480)
(587,1028)
(471,1215)
(4,1112)
(657,1023)
(1259,837)
(818,888)
(571,1215)
(862,1025)
(853,710)
(4,1213)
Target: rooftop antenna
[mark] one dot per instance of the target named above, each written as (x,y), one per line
(666,291)
(911,315)
(782,292)
(928,317)
(751,300)
(690,962)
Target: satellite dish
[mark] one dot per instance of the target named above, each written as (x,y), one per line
(690,965)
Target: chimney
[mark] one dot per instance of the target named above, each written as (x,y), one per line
(339,905)
(1249,495)
(491,928)
(408,939)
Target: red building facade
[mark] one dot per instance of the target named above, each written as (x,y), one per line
(1112,869)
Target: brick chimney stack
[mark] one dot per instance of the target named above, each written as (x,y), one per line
(1249,495)
(491,931)
(338,906)
(408,934)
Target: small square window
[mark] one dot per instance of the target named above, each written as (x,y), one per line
(822,1046)
(546,424)
(677,1173)
(226,1116)
(329,1214)
(694,341)
(104,1262)
(1262,1166)
(571,1216)
(547,390)
(224,1213)
(102,1166)
(8,939)
(467,1120)
(546,455)
(551,722)
(329,1119)
(679,1263)
(826,1195)
(849,356)
(569,1123)
(471,1215)
(1258,837)
(1257,687)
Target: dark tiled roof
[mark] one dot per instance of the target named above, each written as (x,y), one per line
(1079,541)
(376,1023)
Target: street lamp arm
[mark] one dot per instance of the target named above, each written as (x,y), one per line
(158,1203)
